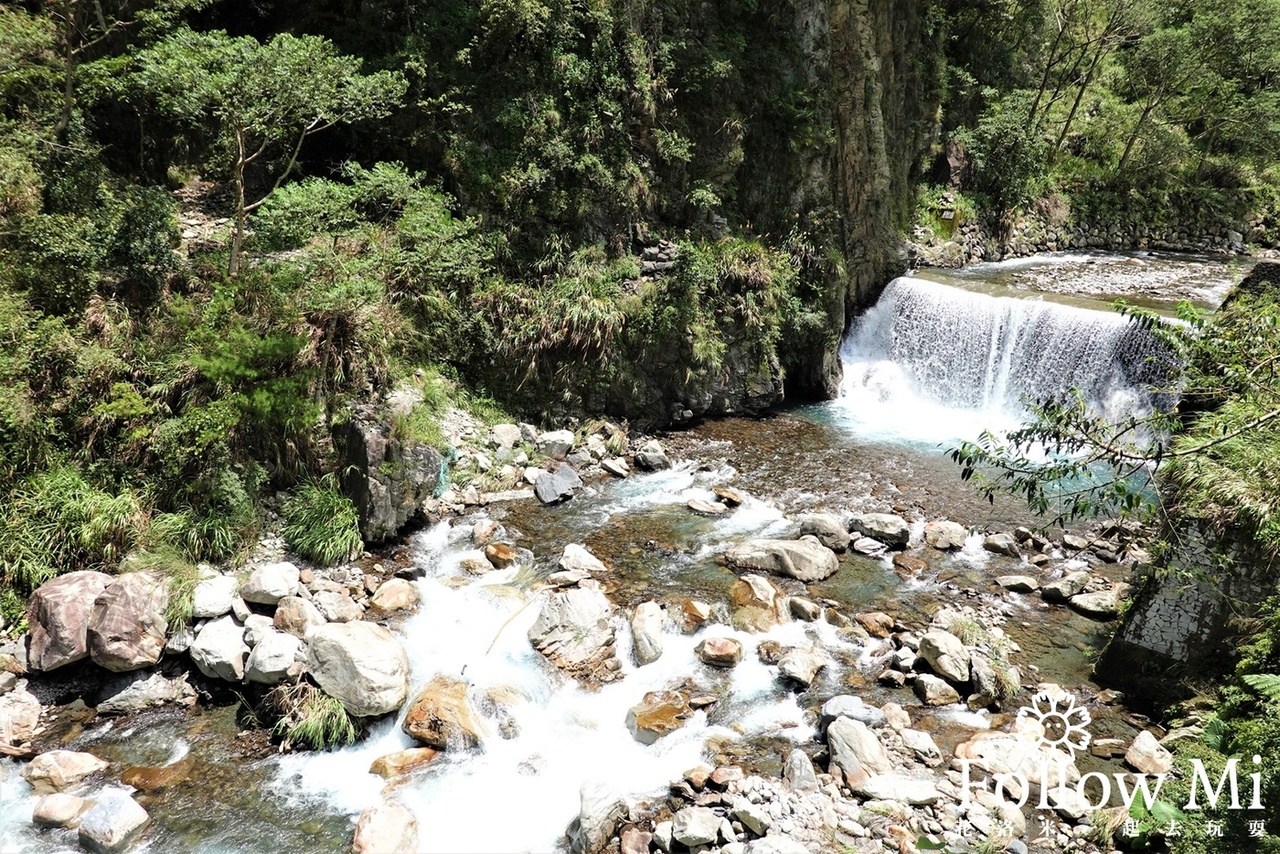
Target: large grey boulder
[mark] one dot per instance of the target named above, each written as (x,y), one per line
(57,770)
(1064,588)
(574,631)
(651,457)
(387,478)
(60,611)
(805,559)
(829,530)
(212,597)
(694,826)
(945,535)
(849,706)
(887,528)
(127,627)
(360,664)
(946,654)
(271,582)
(799,773)
(112,824)
(139,691)
(934,691)
(646,632)
(219,649)
(272,658)
(847,737)
(556,444)
(552,487)
(602,810)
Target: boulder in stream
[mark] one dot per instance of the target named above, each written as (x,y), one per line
(805,559)
(127,627)
(360,664)
(60,769)
(887,528)
(657,714)
(573,631)
(60,610)
(386,828)
(646,632)
(829,530)
(113,823)
(441,716)
(945,535)
(552,487)
(601,810)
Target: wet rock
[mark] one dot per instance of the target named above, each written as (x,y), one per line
(694,826)
(897,787)
(1018,583)
(501,555)
(707,508)
(805,559)
(877,623)
(296,616)
(868,546)
(386,828)
(555,444)
(946,655)
(337,607)
(442,717)
(909,565)
(719,651)
(847,737)
(945,535)
(112,824)
(600,812)
(657,714)
(849,706)
(616,466)
(804,609)
(272,658)
(755,591)
(798,772)
(127,627)
(1064,588)
(933,691)
(402,762)
(144,691)
(1147,756)
(19,715)
(693,614)
(58,770)
(360,664)
(1002,544)
(553,487)
(729,497)
(887,528)
(219,649)
(1103,605)
(146,779)
(577,558)
(59,810)
(394,595)
(270,583)
(212,597)
(60,611)
(646,632)
(829,530)
(770,651)
(802,665)
(574,632)
(651,457)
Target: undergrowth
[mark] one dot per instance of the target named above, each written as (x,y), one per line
(310,718)
(321,523)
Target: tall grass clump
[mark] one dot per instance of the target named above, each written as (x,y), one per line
(311,718)
(321,523)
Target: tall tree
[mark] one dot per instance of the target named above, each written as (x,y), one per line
(263,101)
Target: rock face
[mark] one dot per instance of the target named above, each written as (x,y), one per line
(113,823)
(646,632)
(386,478)
(60,611)
(946,655)
(659,713)
(386,828)
(804,559)
(601,811)
(945,535)
(887,528)
(270,583)
(60,769)
(127,627)
(360,664)
(441,716)
(219,650)
(574,632)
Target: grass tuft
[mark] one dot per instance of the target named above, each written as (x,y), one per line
(321,523)
(310,718)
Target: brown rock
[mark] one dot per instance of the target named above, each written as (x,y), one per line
(395,595)
(754,591)
(719,652)
(636,841)
(441,716)
(730,497)
(694,614)
(60,611)
(296,615)
(707,508)
(770,651)
(128,627)
(153,779)
(909,564)
(402,762)
(501,555)
(659,713)
(877,623)
(726,774)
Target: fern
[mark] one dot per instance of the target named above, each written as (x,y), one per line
(1266,684)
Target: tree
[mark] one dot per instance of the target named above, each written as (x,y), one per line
(263,101)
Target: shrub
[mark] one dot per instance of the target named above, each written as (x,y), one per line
(311,718)
(321,523)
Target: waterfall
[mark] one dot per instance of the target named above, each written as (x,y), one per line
(934,363)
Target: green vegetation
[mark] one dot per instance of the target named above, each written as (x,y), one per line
(310,718)
(321,523)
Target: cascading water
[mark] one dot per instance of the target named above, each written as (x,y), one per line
(933,363)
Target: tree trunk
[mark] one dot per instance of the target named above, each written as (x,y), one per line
(237,231)
(69,84)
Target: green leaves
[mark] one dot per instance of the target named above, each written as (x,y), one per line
(321,523)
